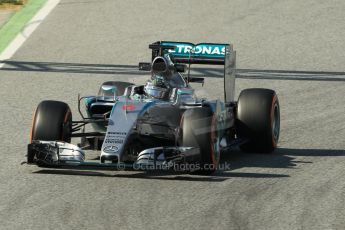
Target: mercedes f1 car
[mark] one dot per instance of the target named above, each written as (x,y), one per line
(162,124)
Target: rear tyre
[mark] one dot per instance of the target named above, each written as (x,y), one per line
(258,120)
(107,88)
(198,130)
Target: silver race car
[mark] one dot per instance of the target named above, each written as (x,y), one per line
(161,125)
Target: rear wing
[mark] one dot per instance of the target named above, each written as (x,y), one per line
(202,53)
(186,52)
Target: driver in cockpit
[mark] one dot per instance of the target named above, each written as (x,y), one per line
(164,78)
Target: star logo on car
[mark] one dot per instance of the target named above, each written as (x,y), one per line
(111,149)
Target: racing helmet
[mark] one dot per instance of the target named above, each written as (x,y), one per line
(156,89)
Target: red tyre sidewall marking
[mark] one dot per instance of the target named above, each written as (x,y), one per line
(64,122)
(274,100)
(212,138)
(181,128)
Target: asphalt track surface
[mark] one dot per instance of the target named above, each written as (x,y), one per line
(83,43)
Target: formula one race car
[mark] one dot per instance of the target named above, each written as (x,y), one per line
(162,124)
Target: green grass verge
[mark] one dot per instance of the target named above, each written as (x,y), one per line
(18,21)
(16,2)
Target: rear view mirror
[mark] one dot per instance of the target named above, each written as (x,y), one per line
(145,66)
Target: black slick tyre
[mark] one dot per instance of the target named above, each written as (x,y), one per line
(258,120)
(198,130)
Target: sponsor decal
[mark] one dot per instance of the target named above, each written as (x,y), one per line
(117,133)
(114,141)
(206,50)
(111,149)
(129,107)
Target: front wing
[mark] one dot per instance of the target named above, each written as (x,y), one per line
(65,155)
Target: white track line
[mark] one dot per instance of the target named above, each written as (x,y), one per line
(29,28)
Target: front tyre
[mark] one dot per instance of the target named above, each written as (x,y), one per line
(199,131)
(258,120)
(52,121)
